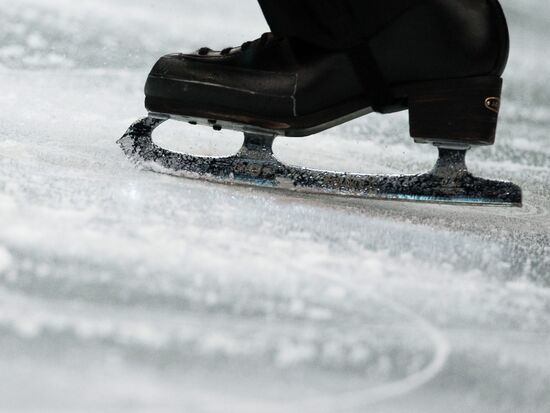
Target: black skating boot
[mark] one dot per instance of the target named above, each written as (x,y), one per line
(441,60)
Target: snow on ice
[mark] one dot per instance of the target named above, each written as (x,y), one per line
(122,289)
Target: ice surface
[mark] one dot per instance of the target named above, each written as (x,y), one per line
(126,290)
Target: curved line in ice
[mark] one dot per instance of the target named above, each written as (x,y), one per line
(362,398)
(397,388)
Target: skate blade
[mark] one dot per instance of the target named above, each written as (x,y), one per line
(448,183)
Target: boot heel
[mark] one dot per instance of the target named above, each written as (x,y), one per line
(454,112)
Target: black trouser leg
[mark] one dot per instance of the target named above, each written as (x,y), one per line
(335,24)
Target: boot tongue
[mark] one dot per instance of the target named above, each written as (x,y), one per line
(269,52)
(265,40)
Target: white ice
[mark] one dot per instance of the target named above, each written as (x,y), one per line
(126,290)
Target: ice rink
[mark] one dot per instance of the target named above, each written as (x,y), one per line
(125,290)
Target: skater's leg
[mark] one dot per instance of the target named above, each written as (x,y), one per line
(335,24)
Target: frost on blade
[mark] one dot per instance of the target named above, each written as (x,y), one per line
(255,164)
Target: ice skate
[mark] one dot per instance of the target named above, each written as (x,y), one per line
(283,85)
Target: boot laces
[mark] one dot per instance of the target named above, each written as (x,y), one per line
(258,43)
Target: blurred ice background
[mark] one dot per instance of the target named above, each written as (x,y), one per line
(126,290)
